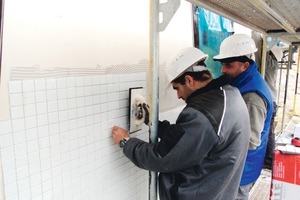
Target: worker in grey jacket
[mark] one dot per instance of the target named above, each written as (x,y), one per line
(201,156)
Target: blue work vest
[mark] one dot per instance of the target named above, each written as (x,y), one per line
(251,81)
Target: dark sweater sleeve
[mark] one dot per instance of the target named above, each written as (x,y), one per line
(193,142)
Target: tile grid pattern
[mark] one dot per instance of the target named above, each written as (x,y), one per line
(58,143)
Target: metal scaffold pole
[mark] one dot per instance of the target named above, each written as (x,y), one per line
(168,9)
(286,86)
(153,90)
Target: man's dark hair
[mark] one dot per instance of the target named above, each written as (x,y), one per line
(198,76)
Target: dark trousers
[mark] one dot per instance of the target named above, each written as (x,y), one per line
(271,142)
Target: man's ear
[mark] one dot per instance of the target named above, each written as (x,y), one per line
(189,80)
(245,66)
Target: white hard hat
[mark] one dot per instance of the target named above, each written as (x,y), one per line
(277,52)
(235,46)
(181,62)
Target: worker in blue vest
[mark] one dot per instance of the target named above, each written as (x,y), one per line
(237,58)
(274,55)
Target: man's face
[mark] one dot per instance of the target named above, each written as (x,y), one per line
(234,69)
(183,91)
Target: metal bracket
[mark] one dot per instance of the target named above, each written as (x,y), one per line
(168,10)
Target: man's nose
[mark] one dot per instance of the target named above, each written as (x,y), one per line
(178,96)
(223,69)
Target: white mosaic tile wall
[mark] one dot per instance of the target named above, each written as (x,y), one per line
(58,143)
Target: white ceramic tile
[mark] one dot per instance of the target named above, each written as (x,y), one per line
(15,86)
(81,112)
(9,165)
(79,91)
(41,108)
(103,80)
(12,197)
(33,157)
(103,98)
(23,184)
(71,103)
(110,78)
(32,148)
(53,117)
(39,197)
(18,124)
(28,85)
(73,124)
(88,100)
(5,127)
(20,149)
(36,190)
(31,134)
(43,131)
(71,92)
(96,80)
(46,171)
(29,110)
(30,122)
(79,81)
(89,120)
(57,193)
(110,88)
(9,177)
(44,142)
(54,139)
(50,84)
(57,173)
(103,89)
(42,119)
(28,98)
(88,80)
(40,96)
(16,99)
(104,116)
(40,84)
(22,173)
(35,179)
(63,126)
(71,82)
(6,140)
(62,104)
(63,115)
(35,170)
(19,137)
(96,109)
(96,99)
(51,95)
(89,110)
(62,93)
(7,153)
(53,129)
(61,83)
(122,87)
(88,90)
(11,189)
(48,195)
(45,154)
(52,106)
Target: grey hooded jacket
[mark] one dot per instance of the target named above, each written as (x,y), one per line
(201,156)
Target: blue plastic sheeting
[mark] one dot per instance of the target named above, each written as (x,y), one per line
(213,29)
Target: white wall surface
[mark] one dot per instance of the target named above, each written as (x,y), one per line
(55,140)
(87,34)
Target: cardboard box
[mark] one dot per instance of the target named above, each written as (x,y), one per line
(285,177)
